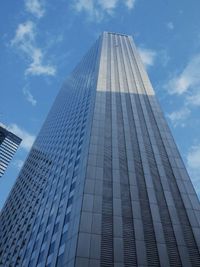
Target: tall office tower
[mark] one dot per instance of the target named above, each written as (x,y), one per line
(104,184)
(9,143)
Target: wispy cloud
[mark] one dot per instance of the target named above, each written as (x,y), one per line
(37,67)
(179,117)
(193,157)
(130,3)
(24,35)
(18,163)
(108,5)
(36,7)
(24,40)
(193,163)
(97,10)
(186,86)
(29,97)
(194,99)
(188,79)
(147,55)
(170,25)
(27,138)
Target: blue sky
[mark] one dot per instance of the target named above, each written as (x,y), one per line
(41,41)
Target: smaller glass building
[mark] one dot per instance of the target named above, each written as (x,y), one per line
(9,143)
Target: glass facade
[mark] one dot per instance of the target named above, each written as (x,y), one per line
(104,184)
(9,143)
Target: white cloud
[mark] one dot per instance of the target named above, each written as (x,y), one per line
(36,7)
(130,3)
(94,12)
(147,55)
(37,67)
(27,138)
(97,9)
(194,99)
(25,34)
(163,57)
(186,84)
(3,125)
(170,25)
(86,5)
(29,96)
(193,163)
(107,4)
(193,157)
(18,163)
(188,79)
(24,40)
(179,117)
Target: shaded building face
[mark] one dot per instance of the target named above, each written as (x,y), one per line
(104,184)
(9,143)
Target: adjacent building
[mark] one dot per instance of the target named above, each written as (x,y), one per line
(9,143)
(104,184)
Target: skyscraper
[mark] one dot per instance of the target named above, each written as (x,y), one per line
(9,143)
(104,184)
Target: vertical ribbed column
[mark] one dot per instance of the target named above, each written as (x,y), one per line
(117,201)
(185,226)
(130,258)
(164,217)
(107,198)
(148,226)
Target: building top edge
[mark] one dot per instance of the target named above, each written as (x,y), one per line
(116,33)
